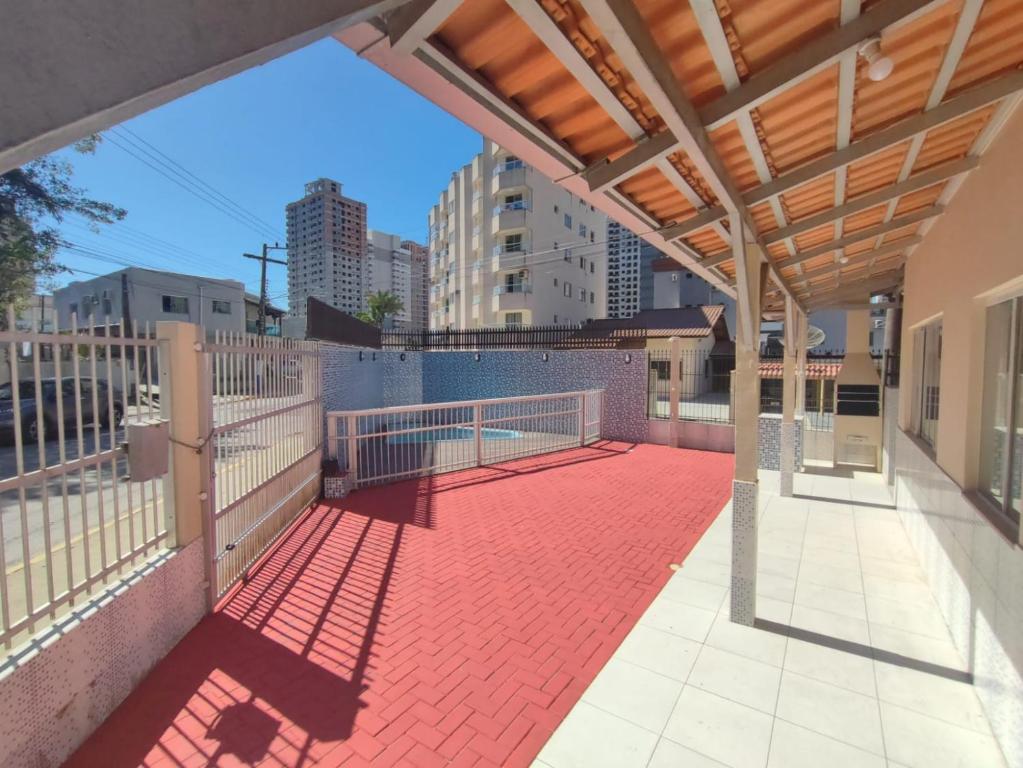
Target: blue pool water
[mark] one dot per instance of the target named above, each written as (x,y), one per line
(453,433)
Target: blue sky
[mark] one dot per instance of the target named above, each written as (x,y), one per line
(257,138)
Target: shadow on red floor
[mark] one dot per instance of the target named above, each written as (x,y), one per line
(453,620)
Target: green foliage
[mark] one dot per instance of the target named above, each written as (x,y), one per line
(32,199)
(382,305)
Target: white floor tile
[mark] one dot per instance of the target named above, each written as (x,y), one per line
(918,741)
(777,565)
(638,695)
(678,618)
(659,651)
(592,738)
(829,599)
(830,665)
(796,747)
(836,712)
(914,646)
(752,643)
(909,617)
(668,754)
(830,624)
(707,570)
(738,678)
(776,587)
(932,695)
(848,579)
(701,594)
(723,730)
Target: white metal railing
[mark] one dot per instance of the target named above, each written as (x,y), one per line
(266,443)
(518,287)
(70,518)
(511,205)
(381,445)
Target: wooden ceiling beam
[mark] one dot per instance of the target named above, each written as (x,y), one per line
(860,258)
(704,218)
(409,25)
(912,184)
(864,234)
(631,39)
(816,299)
(811,58)
(607,173)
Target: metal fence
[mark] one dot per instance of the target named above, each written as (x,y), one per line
(267,435)
(704,382)
(70,518)
(382,445)
(528,337)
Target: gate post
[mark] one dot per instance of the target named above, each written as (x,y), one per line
(186,402)
(674,389)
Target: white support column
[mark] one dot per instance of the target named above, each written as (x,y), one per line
(788,400)
(803,330)
(750,277)
(674,389)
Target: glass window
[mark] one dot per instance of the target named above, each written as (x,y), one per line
(927,351)
(568,220)
(221,307)
(177,305)
(1001,458)
(568,289)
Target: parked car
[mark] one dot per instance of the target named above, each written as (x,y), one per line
(29,414)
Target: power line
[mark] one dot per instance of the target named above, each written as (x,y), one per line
(202,183)
(188,187)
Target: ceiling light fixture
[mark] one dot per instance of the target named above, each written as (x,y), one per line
(843,260)
(879,66)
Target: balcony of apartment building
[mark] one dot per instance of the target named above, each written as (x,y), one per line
(513,253)
(513,294)
(510,213)
(509,176)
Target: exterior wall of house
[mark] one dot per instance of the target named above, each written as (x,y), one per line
(103,296)
(969,259)
(55,694)
(509,246)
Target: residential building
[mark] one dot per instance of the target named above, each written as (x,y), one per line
(419,298)
(147,295)
(326,248)
(677,286)
(630,277)
(391,266)
(274,316)
(510,247)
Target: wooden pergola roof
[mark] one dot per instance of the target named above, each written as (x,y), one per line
(670,115)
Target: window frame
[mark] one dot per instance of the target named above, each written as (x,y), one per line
(921,383)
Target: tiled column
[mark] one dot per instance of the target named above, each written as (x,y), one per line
(751,277)
(788,403)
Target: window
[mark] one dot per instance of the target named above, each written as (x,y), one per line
(1001,459)
(513,243)
(555,319)
(592,270)
(568,289)
(175,305)
(555,282)
(582,295)
(582,263)
(927,367)
(582,230)
(513,320)
(568,220)
(593,297)
(221,307)
(73,308)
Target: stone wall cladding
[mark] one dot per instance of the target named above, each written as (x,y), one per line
(52,698)
(769,441)
(459,376)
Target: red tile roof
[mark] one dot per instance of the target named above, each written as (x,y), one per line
(772,369)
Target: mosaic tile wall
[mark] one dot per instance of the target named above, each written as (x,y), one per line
(459,376)
(769,445)
(53,698)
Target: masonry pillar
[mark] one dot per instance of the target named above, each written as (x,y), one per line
(751,276)
(186,404)
(788,398)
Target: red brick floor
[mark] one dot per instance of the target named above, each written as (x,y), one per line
(453,620)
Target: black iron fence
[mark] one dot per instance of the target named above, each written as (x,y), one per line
(704,386)
(527,337)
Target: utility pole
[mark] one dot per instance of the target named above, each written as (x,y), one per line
(262,278)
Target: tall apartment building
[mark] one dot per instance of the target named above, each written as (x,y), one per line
(326,248)
(508,247)
(630,277)
(398,266)
(420,297)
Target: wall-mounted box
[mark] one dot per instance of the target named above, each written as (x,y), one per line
(147,446)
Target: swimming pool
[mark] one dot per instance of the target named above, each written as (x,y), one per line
(452,433)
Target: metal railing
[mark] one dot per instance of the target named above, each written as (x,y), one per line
(383,445)
(266,442)
(70,518)
(704,382)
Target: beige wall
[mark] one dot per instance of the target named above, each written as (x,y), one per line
(970,255)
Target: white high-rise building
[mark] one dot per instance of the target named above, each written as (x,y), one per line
(508,247)
(630,278)
(392,265)
(326,248)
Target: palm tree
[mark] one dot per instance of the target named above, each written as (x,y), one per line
(382,305)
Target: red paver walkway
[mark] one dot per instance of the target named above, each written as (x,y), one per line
(453,620)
